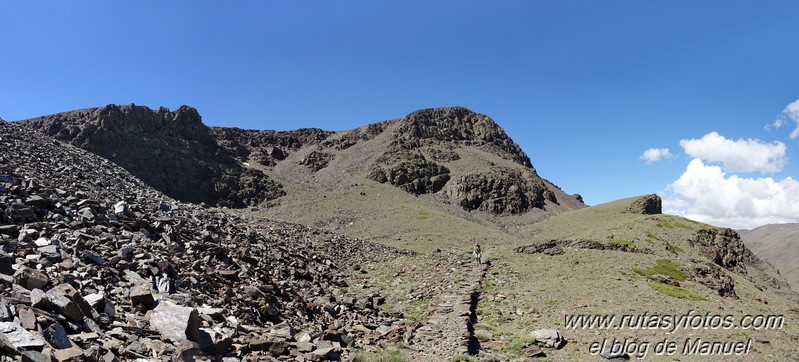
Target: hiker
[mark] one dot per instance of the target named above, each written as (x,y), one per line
(477,251)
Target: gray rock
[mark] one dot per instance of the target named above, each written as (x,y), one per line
(211,311)
(665,279)
(94,299)
(14,337)
(37,201)
(93,257)
(176,322)
(5,313)
(30,278)
(549,338)
(617,353)
(121,208)
(39,299)
(50,251)
(141,296)
(27,319)
(42,242)
(60,298)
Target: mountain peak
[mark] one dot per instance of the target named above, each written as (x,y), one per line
(460,125)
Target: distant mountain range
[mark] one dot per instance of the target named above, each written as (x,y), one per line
(779,245)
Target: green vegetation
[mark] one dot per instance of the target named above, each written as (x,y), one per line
(486,326)
(671,222)
(663,267)
(676,292)
(461,358)
(390,355)
(681,225)
(415,311)
(678,249)
(516,345)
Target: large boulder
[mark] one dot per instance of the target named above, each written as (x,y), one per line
(549,338)
(647,205)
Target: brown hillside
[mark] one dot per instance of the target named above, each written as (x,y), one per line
(777,244)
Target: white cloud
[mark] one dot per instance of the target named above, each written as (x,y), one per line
(743,155)
(655,154)
(705,193)
(779,122)
(789,114)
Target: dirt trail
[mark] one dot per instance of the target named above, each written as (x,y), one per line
(449,331)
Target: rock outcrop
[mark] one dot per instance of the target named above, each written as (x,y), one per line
(646,205)
(499,191)
(266,147)
(723,247)
(317,160)
(411,172)
(172,151)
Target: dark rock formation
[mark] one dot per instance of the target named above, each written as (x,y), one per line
(555,247)
(350,138)
(647,205)
(714,277)
(445,155)
(266,147)
(499,191)
(317,160)
(722,246)
(413,174)
(170,150)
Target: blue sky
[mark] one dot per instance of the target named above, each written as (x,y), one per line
(585,87)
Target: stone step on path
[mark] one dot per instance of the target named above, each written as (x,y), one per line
(449,331)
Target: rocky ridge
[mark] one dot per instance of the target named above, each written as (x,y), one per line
(172,151)
(97,265)
(178,155)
